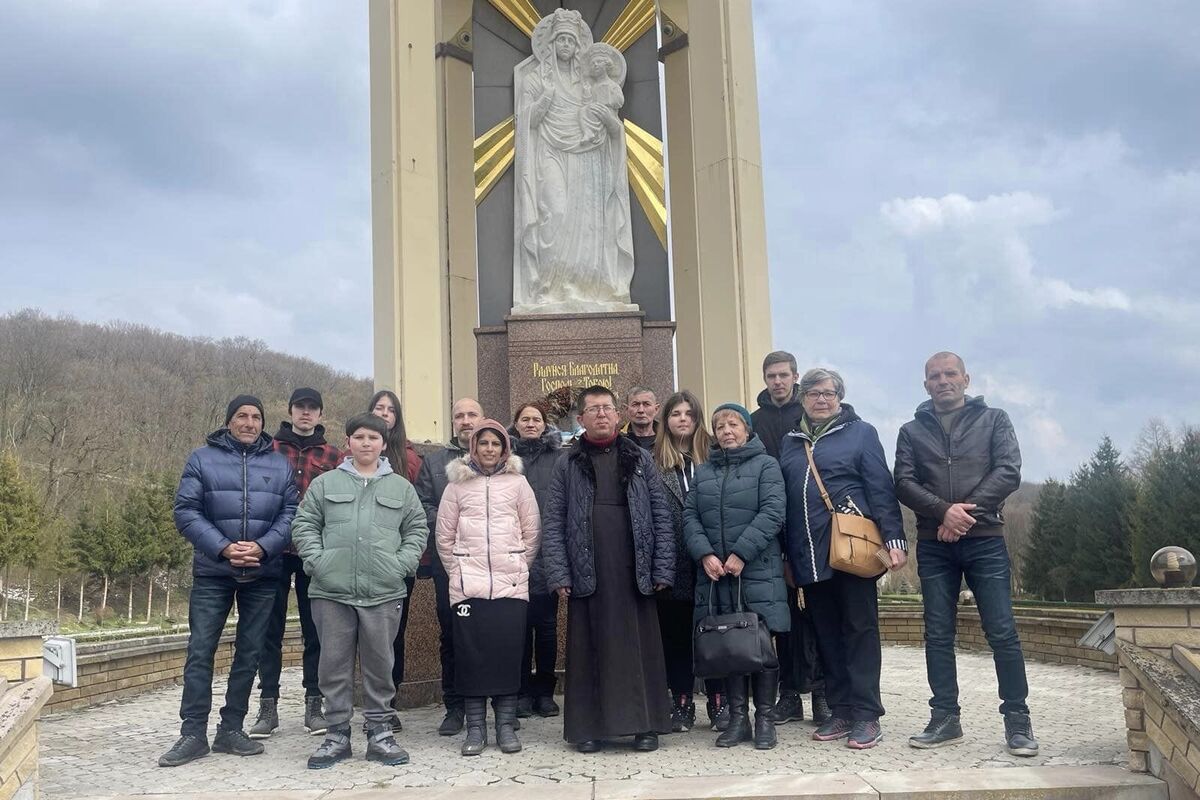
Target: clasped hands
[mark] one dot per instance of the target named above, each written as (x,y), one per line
(715,570)
(244,554)
(956,522)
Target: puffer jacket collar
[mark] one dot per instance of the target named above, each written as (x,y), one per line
(737,455)
(550,440)
(223,438)
(460,470)
(845,417)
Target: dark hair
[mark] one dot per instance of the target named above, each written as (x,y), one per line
(538,405)
(395,439)
(780,357)
(368,421)
(593,390)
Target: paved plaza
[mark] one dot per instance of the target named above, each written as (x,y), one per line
(112,749)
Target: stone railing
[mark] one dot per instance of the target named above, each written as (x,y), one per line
(1049,635)
(23,692)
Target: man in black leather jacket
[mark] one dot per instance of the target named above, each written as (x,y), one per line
(956,464)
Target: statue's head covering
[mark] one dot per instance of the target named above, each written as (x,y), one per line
(563,20)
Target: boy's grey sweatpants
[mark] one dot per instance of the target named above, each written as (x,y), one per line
(344,631)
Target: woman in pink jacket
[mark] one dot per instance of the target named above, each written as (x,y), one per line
(487,535)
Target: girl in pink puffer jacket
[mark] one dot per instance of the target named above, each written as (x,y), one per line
(487,536)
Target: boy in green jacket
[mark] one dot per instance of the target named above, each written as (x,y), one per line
(360,532)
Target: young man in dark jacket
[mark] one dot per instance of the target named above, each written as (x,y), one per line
(465,414)
(301,439)
(235,504)
(608,546)
(779,410)
(956,463)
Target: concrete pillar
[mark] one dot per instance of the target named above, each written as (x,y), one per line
(423,244)
(718,231)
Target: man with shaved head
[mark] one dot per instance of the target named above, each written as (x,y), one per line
(465,414)
(957,462)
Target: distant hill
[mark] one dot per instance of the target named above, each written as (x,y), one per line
(86,405)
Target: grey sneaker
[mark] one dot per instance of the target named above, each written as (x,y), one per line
(1018,734)
(866,734)
(268,718)
(188,748)
(335,747)
(382,747)
(235,743)
(943,728)
(314,716)
(833,729)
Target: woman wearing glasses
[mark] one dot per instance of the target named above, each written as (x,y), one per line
(731,522)
(849,459)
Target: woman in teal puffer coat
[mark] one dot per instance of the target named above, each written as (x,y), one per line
(731,522)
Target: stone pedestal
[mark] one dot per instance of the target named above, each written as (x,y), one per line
(530,356)
(1158,636)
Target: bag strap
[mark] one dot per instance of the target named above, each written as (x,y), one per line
(712,584)
(808,449)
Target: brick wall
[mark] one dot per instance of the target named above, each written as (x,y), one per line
(1047,635)
(20,705)
(21,649)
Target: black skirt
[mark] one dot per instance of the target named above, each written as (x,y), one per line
(489,641)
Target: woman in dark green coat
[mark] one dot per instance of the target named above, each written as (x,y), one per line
(731,521)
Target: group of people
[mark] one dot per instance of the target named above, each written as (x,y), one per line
(643,530)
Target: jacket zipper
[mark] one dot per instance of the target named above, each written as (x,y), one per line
(487,506)
(245,504)
(724,544)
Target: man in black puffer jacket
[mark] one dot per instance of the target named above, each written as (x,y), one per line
(956,463)
(235,504)
(607,546)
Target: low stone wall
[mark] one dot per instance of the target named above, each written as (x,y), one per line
(23,693)
(1047,635)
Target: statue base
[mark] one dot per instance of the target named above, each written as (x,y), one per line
(530,356)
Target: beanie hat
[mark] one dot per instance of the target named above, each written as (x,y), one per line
(739,410)
(496,428)
(242,400)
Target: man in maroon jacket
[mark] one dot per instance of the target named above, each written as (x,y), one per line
(302,440)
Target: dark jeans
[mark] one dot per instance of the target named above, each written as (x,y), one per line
(270,662)
(675,623)
(984,563)
(398,644)
(208,609)
(799,662)
(441,590)
(845,613)
(541,646)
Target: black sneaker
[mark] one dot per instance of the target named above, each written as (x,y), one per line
(545,706)
(835,728)
(865,735)
(788,708)
(683,714)
(1018,734)
(235,743)
(452,724)
(188,748)
(820,708)
(943,728)
(524,706)
(335,747)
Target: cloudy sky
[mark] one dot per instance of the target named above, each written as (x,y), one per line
(1017,181)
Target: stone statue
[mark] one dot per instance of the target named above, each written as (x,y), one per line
(573,246)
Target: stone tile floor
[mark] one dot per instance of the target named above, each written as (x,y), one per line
(113,748)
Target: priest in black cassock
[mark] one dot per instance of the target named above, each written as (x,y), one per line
(607,546)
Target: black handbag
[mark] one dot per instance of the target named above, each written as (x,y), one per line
(731,644)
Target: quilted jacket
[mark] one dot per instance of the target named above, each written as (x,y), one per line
(539,456)
(685,573)
(567,522)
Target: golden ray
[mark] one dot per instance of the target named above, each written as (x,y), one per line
(519,12)
(629,26)
(494,153)
(645,161)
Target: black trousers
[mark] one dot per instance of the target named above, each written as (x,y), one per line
(675,618)
(799,661)
(270,662)
(441,591)
(845,613)
(541,646)
(398,643)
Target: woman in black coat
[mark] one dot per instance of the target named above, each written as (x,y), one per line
(539,445)
(732,520)
(682,443)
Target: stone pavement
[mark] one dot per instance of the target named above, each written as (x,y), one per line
(112,749)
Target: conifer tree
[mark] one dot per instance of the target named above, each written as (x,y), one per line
(1102,494)
(20,522)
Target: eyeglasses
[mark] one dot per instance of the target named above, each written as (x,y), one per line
(815,394)
(597,410)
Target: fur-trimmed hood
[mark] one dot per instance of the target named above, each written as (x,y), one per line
(460,470)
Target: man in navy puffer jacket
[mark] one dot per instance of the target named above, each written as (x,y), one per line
(235,504)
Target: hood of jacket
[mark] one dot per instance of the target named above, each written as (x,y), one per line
(385,468)
(765,401)
(223,439)
(287,434)
(460,470)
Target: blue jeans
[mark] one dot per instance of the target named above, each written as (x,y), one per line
(211,600)
(984,563)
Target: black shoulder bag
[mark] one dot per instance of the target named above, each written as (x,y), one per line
(731,644)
